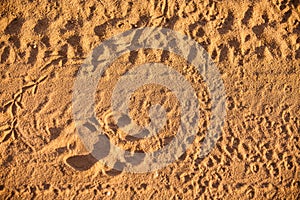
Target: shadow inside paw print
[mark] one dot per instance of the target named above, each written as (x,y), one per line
(102,150)
(85,162)
(81,162)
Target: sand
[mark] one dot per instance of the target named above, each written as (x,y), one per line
(254,44)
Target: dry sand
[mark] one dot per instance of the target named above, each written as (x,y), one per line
(255,45)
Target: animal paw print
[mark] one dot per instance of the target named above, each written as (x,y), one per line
(10,132)
(13,104)
(34,84)
(7,54)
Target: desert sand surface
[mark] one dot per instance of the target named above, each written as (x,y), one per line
(254,44)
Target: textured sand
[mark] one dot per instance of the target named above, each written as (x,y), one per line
(256,46)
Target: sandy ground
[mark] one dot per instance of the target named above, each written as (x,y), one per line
(254,44)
